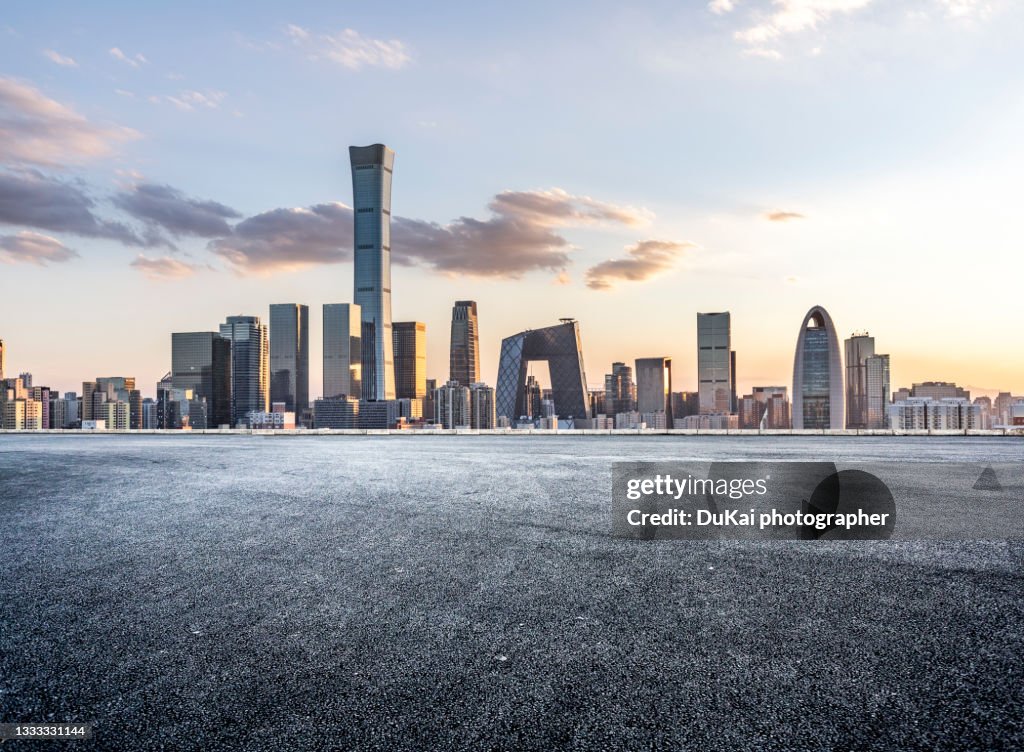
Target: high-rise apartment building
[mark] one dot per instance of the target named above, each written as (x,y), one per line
(201,363)
(250,366)
(289,356)
(714,363)
(481,406)
(410,353)
(465,343)
(452,404)
(654,387)
(343,358)
(372,168)
(818,393)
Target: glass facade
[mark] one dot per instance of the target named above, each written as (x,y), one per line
(289,356)
(371,198)
(714,362)
(560,347)
(201,362)
(250,366)
(410,348)
(818,385)
(859,348)
(343,358)
(654,385)
(464,359)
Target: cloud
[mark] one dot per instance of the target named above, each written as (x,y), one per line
(518,238)
(59,59)
(37,130)
(645,259)
(766,52)
(163,267)
(134,62)
(720,7)
(34,248)
(288,239)
(31,199)
(168,208)
(783,216)
(190,100)
(349,49)
(794,16)
(966,8)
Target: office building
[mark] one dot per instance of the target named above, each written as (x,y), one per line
(378,414)
(561,348)
(858,348)
(341,412)
(201,364)
(289,355)
(464,357)
(818,389)
(766,407)
(429,409)
(452,405)
(683,404)
(715,385)
(149,414)
(654,389)
(1002,407)
(250,366)
(343,358)
(877,373)
(619,390)
(409,340)
(372,169)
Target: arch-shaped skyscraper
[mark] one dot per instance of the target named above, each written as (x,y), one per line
(818,400)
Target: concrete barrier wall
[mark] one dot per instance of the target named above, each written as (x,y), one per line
(1013,432)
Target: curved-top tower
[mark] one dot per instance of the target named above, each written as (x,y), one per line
(371,215)
(818,374)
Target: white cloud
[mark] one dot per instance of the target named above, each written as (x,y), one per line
(190,100)
(38,130)
(163,267)
(135,62)
(765,52)
(794,16)
(720,7)
(966,8)
(33,248)
(67,62)
(350,49)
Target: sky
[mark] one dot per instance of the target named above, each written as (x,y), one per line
(163,167)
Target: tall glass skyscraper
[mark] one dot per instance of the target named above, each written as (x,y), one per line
(289,356)
(201,361)
(343,350)
(250,366)
(410,346)
(859,347)
(818,374)
(654,386)
(371,198)
(715,385)
(465,344)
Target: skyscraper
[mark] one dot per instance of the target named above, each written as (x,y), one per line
(859,347)
(250,366)
(289,356)
(465,343)
(410,349)
(1,360)
(818,374)
(654,386)
(619,390)
(878,384)
(560,346)
(371,198)
(343,350)
(714,362)
(201,362)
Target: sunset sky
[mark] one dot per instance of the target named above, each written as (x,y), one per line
(625,164)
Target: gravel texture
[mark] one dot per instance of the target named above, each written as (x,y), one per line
(390,593)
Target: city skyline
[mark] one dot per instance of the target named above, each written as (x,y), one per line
(191,193)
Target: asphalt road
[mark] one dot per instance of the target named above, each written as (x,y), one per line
(390,593)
